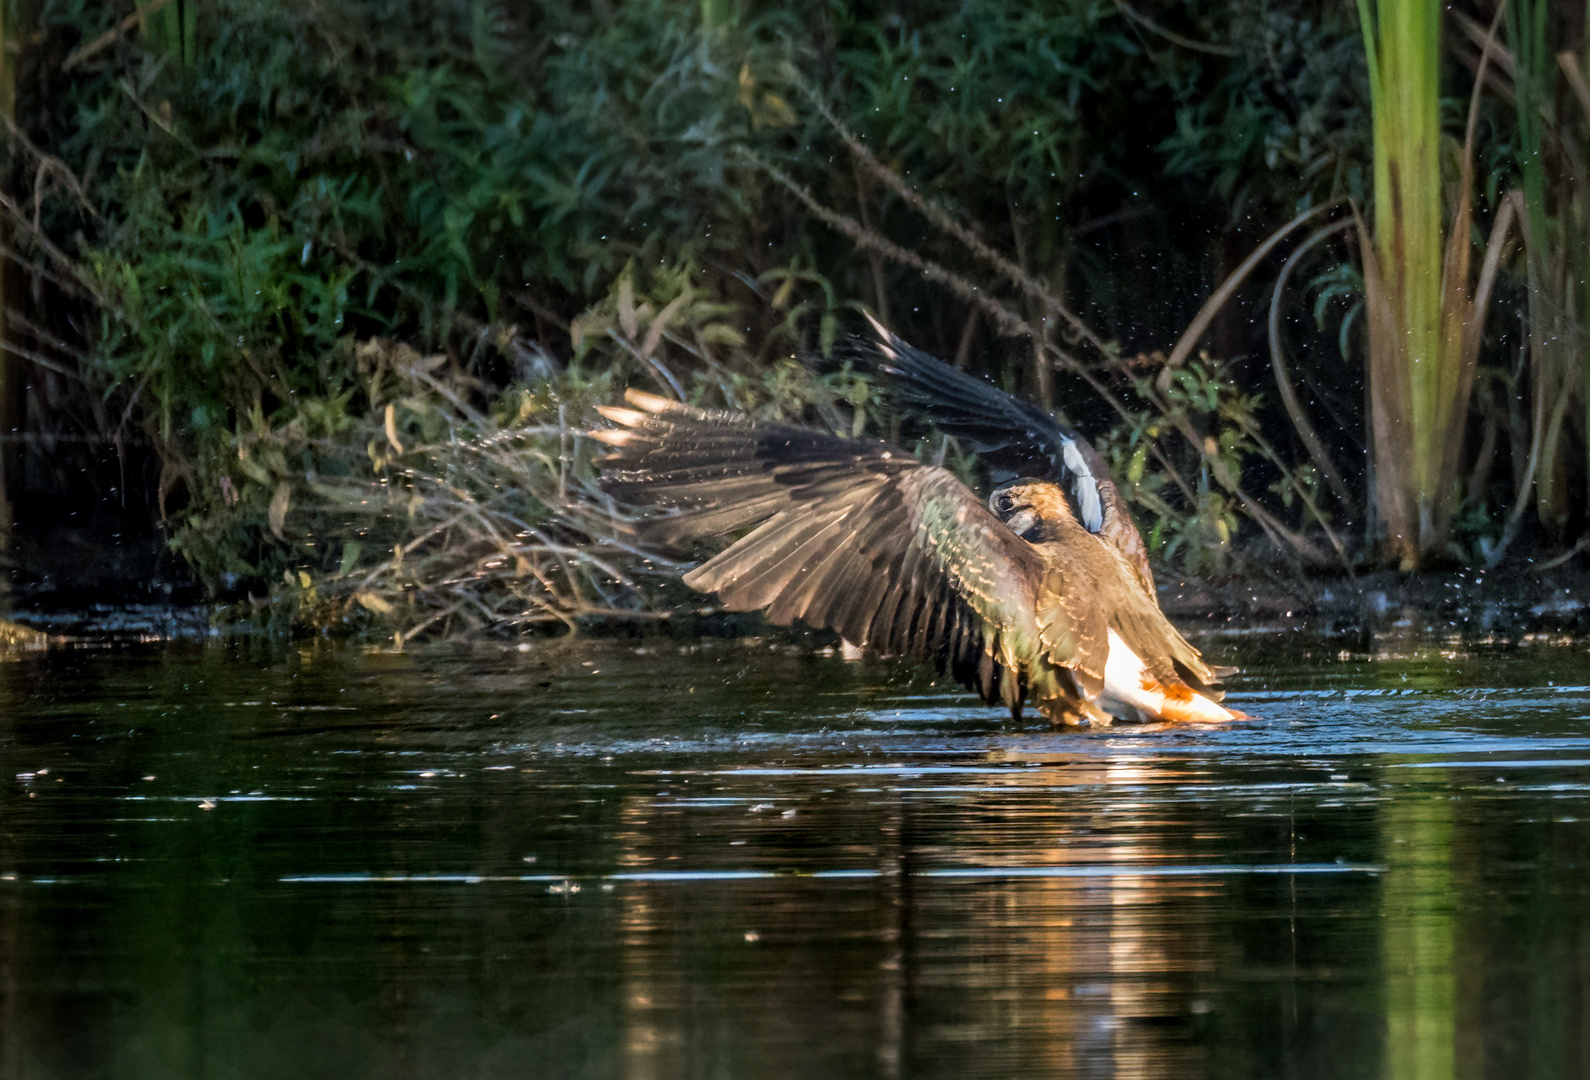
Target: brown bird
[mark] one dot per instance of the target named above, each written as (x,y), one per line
(1016,599)
(1008,434)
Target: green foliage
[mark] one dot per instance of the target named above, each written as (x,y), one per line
(664,328)
(392,169)
(351,176)
(1553,118)
(688,198)
(308,176)
(419,512)
(1187,518)
(1285,123)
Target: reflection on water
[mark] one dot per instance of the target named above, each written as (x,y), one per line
(741,861)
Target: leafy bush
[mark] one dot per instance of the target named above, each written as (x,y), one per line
(681,196)
(302,177)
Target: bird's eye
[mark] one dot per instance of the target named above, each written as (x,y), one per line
(1004,503)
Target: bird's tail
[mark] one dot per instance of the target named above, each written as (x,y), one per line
(1128,685)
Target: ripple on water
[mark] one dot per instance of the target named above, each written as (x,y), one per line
(752,862)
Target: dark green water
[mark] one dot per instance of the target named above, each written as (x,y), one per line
(737,861)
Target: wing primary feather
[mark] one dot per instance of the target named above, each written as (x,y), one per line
(756,569)
(858,537)
(817,556)
(885,623)
(850,573)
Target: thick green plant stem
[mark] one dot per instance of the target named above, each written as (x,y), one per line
(170,28)
(1555,262)
(1402,43)
(1425,317)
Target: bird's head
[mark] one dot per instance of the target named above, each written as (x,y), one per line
(1034,510)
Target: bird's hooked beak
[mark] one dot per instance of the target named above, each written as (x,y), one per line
(1026,524)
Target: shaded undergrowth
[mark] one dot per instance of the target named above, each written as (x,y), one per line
(350,276)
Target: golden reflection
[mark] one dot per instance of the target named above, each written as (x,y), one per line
(1018,915)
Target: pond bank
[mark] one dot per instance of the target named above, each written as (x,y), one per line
(96,577)
(1509,601)
(1507,604)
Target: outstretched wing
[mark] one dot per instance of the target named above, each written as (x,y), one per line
(1009,434)
(854,536)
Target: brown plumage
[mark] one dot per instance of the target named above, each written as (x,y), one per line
(858,537)
(1008,434)
(1096,608)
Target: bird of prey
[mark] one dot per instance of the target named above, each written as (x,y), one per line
(1016,599)
(1007,433)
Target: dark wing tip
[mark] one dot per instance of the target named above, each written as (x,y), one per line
(852,536)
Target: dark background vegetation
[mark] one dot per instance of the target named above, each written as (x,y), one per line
(323,292)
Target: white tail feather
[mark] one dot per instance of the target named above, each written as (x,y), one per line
(1090,508)
(1128,687)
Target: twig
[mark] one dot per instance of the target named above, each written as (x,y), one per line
(1521,503)
(1553,563)
(948,225)
(1283,379)
(110,36)
(1174,38)
(1007,320)
(1206,314)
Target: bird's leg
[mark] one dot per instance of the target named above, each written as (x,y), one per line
(1068,711)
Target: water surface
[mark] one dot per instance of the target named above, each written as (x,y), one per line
(743,860)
